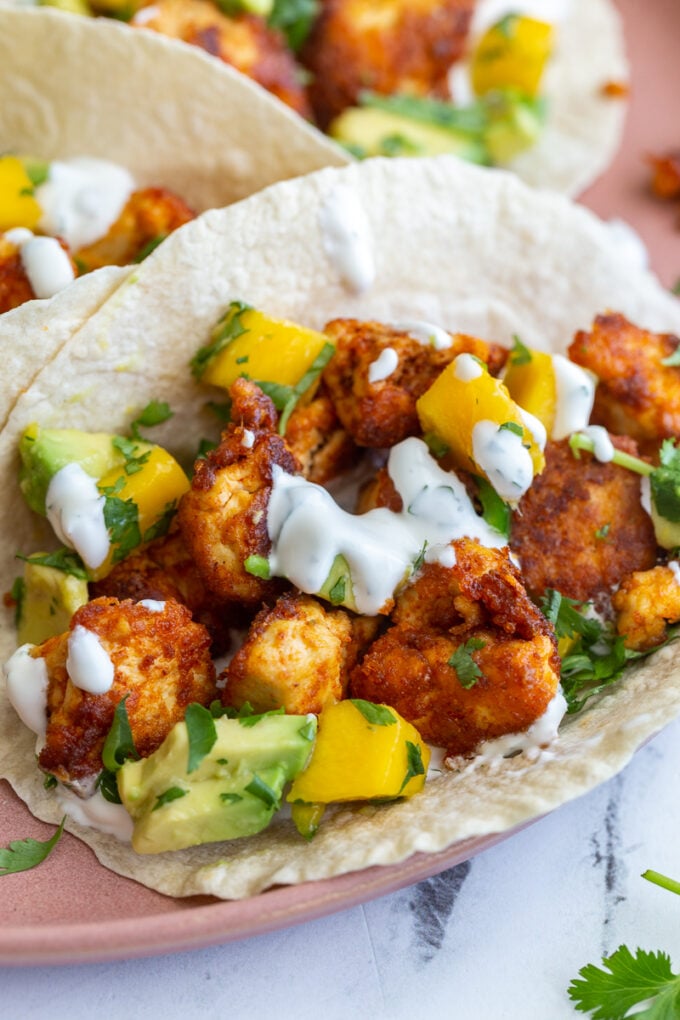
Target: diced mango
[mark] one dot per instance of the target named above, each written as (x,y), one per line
(154,484)
(512,54)
(457,401)
(248,342)
(362,752)
(531,384)
(18,206)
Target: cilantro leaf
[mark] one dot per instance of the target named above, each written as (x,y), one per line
(119,745)
(377,715)
(107,784)
(294,18)
(511,426)
(172,793)
(665,482)
(414,763)
(465,666)
(520,354)
(495,511)
(162,523)
(17,595)
(567,617)
(155,413)
(437,447)
(24,854)
(623,982)
(246,717)
(134,460)
(147,248)
(201,732)
(258,788)
(121,517)
(229,327)
(66,560)
(285,398)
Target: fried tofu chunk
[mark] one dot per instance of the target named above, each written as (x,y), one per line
(148,216)
(243,40)
(581,526)
(223,517)
(161,663)
(645,604)
(318,440)
(297,655)
(469,657)
(379,410)
(15,287)
(163,570)
(385,46)
(637,395)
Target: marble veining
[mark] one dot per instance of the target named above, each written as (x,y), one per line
(432,905)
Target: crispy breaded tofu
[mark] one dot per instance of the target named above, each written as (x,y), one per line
(161,664)
(165,570)
(645,604)
(243,40)
(15,287)
(149,214)
(637,395)
(383,412)
(505,667)
(384,46)
(223,517)
(297,655)
(318,440)
(581,527)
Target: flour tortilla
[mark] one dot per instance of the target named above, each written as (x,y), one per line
(472,250)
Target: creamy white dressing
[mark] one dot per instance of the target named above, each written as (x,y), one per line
(425,333)
(18,235)
(81,198)
(26,679)
(88,664)
(629,242)
(674,568)
(575,393)
(145,14)
(383,366)
(75,509)
(604,448)
(309,530)
(466,368)
(503,457)
(540,734)
(96,813)
(535,426)
(346,238)
(46,265)
(247,439)
(153,605)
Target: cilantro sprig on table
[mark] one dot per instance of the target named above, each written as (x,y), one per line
(626,980)
(24,854)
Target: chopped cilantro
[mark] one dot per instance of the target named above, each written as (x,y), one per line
(146,249)
(511,426)
(248,718)
(377,715)
(466,668)
(294,18)
(414,763)
(155,413)
(507,25)
(17,595)
(107,784)
(201,732)
(161,524)
(231,798)
(204,448)
(221,411)
(258,566)
(49,782)
(119,745)
(134,460)
(437,447)
(258,788)
(66,560)
(24,854)
(601,533)
(172,793)
(121,517)
(285,398)
(420,558)
(495,511)
(336,595)
(229,327)
(520,354)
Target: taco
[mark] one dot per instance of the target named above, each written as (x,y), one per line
(434,242)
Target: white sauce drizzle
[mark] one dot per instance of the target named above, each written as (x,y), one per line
(26,679)
(575,391)
(248,439)
(674,568)
(153,605)
(88,664)
(346,238)
(46,265)
(75,509)
(425,333)
(604,448)
(145,14)
(535,426)
(383,366)
(466,368)
(18,235)
(97,813)
(646,494)
(628,241)
(541,733)
(308,529)
(502,456)
(81,198)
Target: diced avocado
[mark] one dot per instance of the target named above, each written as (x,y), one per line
(513,132)
(45,451)
(667,533)
(369,131)
(72,6)
(233,792)
(50,598)
(337,588)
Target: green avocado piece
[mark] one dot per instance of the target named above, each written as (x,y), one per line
(234,791)
(45,451)
(518,129)
(337,588)
(368,131)
(49,600)
(72,6)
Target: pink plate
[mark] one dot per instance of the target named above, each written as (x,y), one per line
(71,909)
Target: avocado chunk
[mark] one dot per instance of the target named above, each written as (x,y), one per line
(72,6)
(45,451)
(514,127)
(50,597)
(368,131)
(337,588)
(234,791)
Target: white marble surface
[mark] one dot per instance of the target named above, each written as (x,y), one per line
(497,938)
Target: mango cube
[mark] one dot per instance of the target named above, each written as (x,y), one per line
(511,54)
(18,207)
(531,384)
(362,752)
